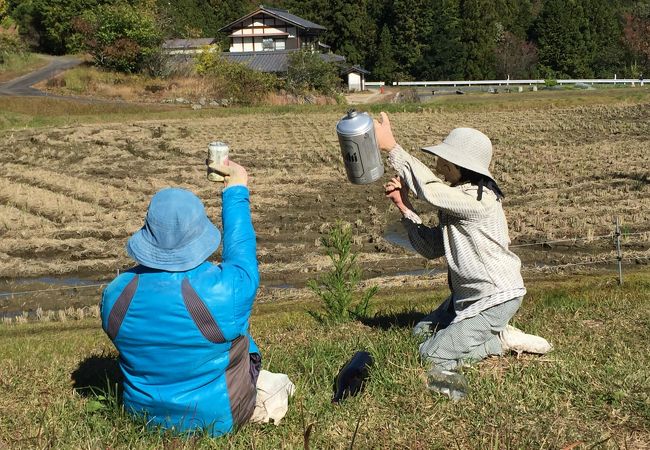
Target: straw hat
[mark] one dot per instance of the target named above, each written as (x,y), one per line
(467,148)
(177,234)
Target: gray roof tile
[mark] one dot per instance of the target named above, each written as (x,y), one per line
(286,15)
(281,14)
(187,43)
(276,61)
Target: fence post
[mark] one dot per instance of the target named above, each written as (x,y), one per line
(619,256)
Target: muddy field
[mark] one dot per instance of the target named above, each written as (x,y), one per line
(70,197)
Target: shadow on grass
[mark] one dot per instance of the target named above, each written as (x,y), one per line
(404,319)
(98,374)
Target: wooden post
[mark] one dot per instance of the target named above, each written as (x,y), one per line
(619,256)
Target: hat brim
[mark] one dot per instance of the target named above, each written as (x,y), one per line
(178,259)
(455,156)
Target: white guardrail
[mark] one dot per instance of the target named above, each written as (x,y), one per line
(630,81)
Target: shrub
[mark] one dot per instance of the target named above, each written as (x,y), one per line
(308,72)
(47,24)
(120,37)
(337,288)
(233,80)
(10,44)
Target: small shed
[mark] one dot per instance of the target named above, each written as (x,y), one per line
(356,78)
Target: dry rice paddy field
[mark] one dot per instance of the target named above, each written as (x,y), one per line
(71,195)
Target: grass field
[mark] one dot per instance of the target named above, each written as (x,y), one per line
(591,391)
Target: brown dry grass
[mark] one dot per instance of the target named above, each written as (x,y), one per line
(73,194)
(94,83)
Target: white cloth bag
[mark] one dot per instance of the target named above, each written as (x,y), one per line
(273,392)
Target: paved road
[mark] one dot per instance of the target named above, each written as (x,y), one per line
(22,86)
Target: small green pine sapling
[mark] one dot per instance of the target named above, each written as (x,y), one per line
(337,288)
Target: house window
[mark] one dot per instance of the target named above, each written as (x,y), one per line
(267,44)
(280,44)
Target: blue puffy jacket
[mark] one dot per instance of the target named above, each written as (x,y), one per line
(187,357)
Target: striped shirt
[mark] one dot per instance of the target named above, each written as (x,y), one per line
(471,234)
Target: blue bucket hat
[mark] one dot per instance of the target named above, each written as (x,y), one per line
(177,234)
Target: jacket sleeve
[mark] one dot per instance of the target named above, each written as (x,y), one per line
(427,241)
(239,257)
(422,181)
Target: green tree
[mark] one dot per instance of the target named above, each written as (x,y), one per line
(350,30)
(188,18)
(384,65)
(337,288)
(225,11)
(407,31)
(10,44)
(235,81)
(120,37)
(308,72)
(4,8)
(516,17)
(47,24)
(607,55)
(444,56)
(562,35)
(480,36)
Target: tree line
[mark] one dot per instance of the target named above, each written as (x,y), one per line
(400,39)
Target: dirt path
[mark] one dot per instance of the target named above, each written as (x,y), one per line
(370,96)
(22,86)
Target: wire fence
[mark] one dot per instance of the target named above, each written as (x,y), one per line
(537,267)
(65,287)
(508,82)
(579,239)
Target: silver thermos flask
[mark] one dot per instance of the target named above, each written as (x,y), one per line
(363,162)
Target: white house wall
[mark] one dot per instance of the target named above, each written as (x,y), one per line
(249,37)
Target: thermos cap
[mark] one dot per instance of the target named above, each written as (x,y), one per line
(354,123)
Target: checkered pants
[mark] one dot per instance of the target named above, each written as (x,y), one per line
(468,340)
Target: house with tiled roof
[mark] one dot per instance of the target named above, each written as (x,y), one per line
(265,38)
(271,29)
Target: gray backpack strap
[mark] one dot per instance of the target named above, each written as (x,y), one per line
(121,306)
(240,383)
(200,314)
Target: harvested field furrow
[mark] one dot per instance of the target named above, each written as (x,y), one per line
(41,202)
(566,172)
(72,249)
(95,233)
(81,189)
(30,267)
(14,219)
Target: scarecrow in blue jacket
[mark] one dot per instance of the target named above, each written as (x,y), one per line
(180,323)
